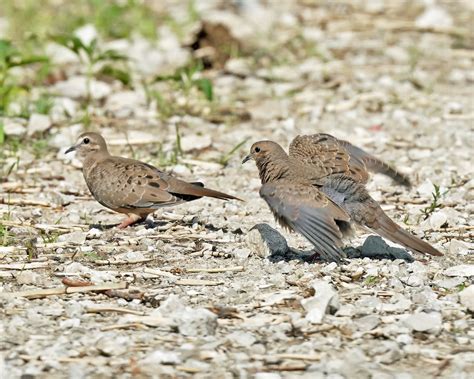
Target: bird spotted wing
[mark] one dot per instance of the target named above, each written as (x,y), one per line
(306,210)
(322,155)
(120,183)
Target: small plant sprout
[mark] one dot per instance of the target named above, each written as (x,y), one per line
(11,57)
(93,57)
(191,76)
(435,203)
(225,158)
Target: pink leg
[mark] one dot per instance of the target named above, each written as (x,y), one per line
(131,219)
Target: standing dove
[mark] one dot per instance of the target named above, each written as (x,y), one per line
(318,190)
(130,186)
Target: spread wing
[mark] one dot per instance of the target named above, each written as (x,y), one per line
(323,154)
(120,183)
(304,209)
(374,164)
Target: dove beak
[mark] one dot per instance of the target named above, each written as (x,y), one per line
(72,148)
(247,158)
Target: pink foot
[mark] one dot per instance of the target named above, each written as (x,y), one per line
(131,219)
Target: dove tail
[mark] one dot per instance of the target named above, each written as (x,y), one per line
(198,190)
(376,165)
(390,230)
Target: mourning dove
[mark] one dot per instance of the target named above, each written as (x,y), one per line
(130,186)
(318,190)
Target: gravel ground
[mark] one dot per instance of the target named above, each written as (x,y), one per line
(198,290)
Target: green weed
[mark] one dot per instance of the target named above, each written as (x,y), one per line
(11,57)
(189,77)
(225,158)
(435,203)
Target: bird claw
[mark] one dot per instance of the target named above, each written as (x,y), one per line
(129,221)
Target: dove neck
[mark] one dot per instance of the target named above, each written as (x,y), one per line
(91,160)
(272,169)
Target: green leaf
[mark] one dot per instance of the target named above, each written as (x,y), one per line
(205,86)
(2,133)
(116,73)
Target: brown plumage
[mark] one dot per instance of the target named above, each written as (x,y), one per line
(130,186)
(318,190)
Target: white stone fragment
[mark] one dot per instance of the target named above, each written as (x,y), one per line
(460,270)
(318,305)
(466,297)
(38,123)
(424,322)
(434,17)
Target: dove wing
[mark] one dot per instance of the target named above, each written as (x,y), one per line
(303,208)
(120,183)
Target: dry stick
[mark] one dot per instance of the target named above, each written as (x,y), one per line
(304,357)
(106,308)
(215,270)
(11,249)
(109,262)
(26,202)
(36,294)
(65,228)
(198,282)
(52,245)
(156,272)
(191,370)
(26,266)
(123,326)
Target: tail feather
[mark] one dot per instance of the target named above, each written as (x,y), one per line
(390,230)
(197,189)
(374,164)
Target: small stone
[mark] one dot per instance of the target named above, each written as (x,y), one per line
(86,33)
(74,237)
(242,254)
(244,339)
(267,375)
(457,247)
(265,241)
(318,305)
(76,87)
(112,345)
(162,357)
(367,323)
(69,323)
(450,283)
(466,297)
(424,322)
(434,17)
(38,123)
(195,142)
(28,277)
(13,128)
(438,219)
(460,270)
(124,104)
(346,310)
(196,322)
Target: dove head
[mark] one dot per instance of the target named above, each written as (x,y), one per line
(89,144)
(271,160)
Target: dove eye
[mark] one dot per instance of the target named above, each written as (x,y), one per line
(86,141)
(257,150)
